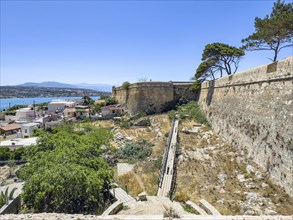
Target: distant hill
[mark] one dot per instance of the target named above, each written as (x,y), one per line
(52,84)
(36,91)
(48,84)
(98,87)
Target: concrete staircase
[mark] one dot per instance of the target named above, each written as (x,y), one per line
(121,195)
(208,207)
(196,208)
(204,208)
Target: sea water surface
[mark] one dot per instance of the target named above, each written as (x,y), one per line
(5,103)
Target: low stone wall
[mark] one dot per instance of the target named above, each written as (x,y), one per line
(53,216)
(254,110)
(114,208)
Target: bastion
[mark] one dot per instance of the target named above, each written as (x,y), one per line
(153,97)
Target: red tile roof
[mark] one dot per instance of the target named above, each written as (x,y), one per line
(10,127)
(69,110)
(116,106)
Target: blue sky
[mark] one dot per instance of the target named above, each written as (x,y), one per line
(115,41)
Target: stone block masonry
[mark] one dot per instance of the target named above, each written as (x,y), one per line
(153,97)
(253,110)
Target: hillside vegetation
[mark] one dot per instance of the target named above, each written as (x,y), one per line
(30,92)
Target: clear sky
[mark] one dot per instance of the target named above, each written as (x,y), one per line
(115,41)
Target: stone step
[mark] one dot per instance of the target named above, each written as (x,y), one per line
(196,207)
(121,195)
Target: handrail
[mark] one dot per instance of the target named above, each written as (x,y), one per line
(163,169)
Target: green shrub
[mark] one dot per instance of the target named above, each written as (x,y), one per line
(134,151)
(190,110)
(15,107)
(125,123)
(171,114)
(110,101)
(4,153)
(188,208)
(158,163)
(181,196)
(5,196)
(125,85)
(17,154)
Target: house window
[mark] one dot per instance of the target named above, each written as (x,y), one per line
(25,130)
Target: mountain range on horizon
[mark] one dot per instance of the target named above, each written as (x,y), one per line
(97,87)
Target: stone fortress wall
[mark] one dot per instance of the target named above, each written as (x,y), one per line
(153,97)
(253,110)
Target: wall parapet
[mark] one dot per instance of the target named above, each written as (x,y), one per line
(282,70)
(146,84)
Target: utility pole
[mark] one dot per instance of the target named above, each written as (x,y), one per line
(34,108)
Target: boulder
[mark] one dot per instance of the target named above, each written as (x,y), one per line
(142,122)
(142,196)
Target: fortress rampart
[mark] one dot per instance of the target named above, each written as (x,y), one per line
(253,110)
(153,97)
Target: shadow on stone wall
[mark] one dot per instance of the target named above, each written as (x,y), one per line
(210,92)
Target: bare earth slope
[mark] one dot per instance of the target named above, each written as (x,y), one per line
(209,168)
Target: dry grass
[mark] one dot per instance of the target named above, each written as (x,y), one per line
(149,170)
(181,196)
(138,133)
(105,123)
(130,184)
(149,174)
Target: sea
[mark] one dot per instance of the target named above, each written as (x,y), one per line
(6,103)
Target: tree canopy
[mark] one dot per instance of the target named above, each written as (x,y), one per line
(206,69)
(274,32)
(218,57)
(110,101)
(87,100)
(67,170)
(125,85)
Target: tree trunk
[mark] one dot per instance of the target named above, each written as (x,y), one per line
(275,56)
(276,50)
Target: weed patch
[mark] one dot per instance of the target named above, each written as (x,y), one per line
(135,151)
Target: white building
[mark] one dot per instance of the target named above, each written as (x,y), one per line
(19,142)
(111,111)
(58,106)
(27,129)
(22,114)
